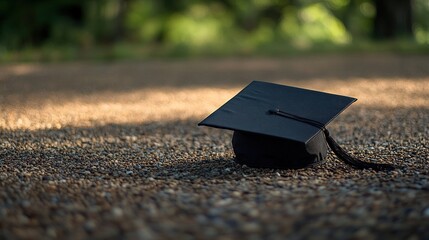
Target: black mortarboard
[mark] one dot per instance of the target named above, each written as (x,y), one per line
(278,126)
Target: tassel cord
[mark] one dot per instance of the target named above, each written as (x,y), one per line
(334,146)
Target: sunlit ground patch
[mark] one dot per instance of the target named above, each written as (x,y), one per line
(93,94)
(167,104)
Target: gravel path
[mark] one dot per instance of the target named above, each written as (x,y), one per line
(111,150)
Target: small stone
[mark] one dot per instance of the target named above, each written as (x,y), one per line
(46,178)
(254,213)
(51,232)
(426,212)
(89,226)
(251,227)
(201,219)
(224,202)
(236,194)
(117,212)
(145,233)
(170,191)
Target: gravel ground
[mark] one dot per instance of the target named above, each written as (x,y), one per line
(111,150)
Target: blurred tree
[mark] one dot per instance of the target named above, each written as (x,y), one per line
(393,19)
(248,15)
(421,21)
(119,32)
(105,20)
(26,22)
(194,24)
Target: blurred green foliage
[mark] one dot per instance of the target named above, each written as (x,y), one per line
(69,29)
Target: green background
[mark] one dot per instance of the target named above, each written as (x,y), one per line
(113,29)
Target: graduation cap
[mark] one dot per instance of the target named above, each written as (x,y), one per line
(277,126)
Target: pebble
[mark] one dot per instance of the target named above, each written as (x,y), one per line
(251,227)
(426,212)
(117,212)
(90,226)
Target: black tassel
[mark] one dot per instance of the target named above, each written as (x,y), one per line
(355,162)
(337,149)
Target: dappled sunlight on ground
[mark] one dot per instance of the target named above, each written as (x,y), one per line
(167,104)
(379,92)
(52,96)
(136,107)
